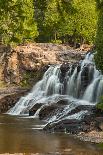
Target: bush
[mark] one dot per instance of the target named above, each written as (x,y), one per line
(56,41)
(100,104)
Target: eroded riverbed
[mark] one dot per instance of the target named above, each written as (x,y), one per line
(23,135)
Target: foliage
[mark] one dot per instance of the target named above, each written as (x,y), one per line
(100,104)
(65,20)
(73,19)
(30,78)
(99,37)
(85,19)
(57,41)
(16,21)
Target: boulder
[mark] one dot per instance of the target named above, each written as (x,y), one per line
(48,111)
(9,99)
(34,109)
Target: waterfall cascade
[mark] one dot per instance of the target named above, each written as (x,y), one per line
(81,85)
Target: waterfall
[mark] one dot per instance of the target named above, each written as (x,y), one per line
(80,86)
(71,83)
(50,84)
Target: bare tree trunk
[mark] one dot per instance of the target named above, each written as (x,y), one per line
(55,36)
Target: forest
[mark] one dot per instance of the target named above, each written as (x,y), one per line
(57,21)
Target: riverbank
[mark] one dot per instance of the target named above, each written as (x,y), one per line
(96,134)
(92,136)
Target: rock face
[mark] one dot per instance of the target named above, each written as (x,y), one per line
(33,110)
(9,97)
(91,122)
(28,62)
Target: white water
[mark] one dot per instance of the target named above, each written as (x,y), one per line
(83,87)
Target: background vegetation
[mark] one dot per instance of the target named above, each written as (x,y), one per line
(61,21)
(99,36)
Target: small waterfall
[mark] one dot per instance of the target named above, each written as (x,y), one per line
(90,93)
(99,92)
(80,86)
(71,89)
(50,84)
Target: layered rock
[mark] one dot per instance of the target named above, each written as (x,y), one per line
(24,62)
(9,97)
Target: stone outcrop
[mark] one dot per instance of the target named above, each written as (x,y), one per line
(93,122)
(9,97)
(28,62)
(33,110)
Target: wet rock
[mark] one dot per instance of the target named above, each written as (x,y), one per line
(99,123)
(78,68)
(69,126)
(74,65)
(80,108)
(64,68)
(48,111)
(34,109)
(9,99)
(72,126)
(85,124)
(62,102)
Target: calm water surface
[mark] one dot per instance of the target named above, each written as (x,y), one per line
(20,135)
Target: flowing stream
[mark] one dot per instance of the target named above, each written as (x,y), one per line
(19,136)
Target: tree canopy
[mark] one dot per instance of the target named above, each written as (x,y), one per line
(68,19)
(17,20)
(99,36)
(48,20)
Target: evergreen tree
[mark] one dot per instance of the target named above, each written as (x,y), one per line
(73,19)
(99,37)
(85,20)
(16,20)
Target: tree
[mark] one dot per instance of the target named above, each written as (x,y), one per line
(16,21)
(55,23)
(84,19)
(29,24)
(66,20)
(73,19)
(40,7)
(99,37)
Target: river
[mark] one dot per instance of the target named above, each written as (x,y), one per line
(23,136)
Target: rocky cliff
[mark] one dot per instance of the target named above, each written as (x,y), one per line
(25,64)
(10,96)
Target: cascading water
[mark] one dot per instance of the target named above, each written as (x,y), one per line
(49,85)
(81,85)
